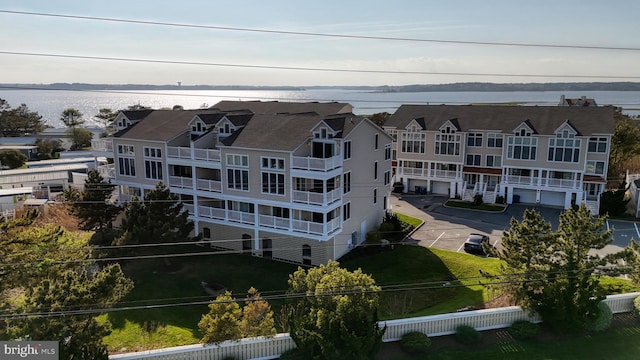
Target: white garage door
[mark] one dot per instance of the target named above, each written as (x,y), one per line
(440,188)
(552,198)
(526,196)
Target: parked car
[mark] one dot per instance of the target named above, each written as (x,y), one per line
(475,243)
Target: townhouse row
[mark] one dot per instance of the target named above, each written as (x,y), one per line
(305,182)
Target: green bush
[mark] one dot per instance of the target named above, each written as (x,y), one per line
(294,354)
(603,320)
(373,237)
(523,330)
(415,342)
(467,335)
(636,307)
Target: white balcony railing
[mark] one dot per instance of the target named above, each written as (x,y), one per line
(545,182)
(209,185)
(316,164)
(241,217)
(207,154)
(102,145)
(180,152)
(429,173)
(181,182)
(274,222)
(211,212)
(448,174)
(107,171)
(316,198)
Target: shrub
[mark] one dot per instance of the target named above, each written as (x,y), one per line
(603,320)
(415,342)
(467,335)
(373,237)
(636,306)
(477,199)
(523,330)
(294,354)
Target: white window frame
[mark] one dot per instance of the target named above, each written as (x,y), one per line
(592,167)
(597,142)
(346,212)
(474,139)
(476,160)
(522,142)
(347,150)
(346,182)
(496,161)
(495,140)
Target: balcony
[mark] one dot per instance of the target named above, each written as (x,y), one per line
(211,212)
(429,173)
(316,164)
(209,185)
(207,154)
(542,182)
(103,146)
(274,222)
(317,198)
(181,182)
(241,217)
(314,228)
(178,152)
(107,171)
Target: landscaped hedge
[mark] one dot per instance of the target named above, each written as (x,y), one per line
(468,335)
(523,330)
(415,342)
(603,321)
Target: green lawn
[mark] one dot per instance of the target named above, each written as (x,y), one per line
(411,278)
(614,344)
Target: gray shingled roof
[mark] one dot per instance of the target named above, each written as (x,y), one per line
(277,107)
(544,119)
(161,125)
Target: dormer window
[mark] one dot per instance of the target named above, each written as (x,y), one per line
(524,132)
(322,133)
(564,147)
(448,130)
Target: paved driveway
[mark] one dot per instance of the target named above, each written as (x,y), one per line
(448,228)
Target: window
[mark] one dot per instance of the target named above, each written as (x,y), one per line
(246,243)
(474,139)
(598,144)
(153,170)
(375,170)
(473,160)
(126,166)
(375,196)
(375,142)
(393,133)
(387,177)
(306,254)
(206,233)
(595,167)
(273,183)
(387,152)
(494,160)
(150,152)
(266,248)
(238,179)
(346,211)
(126,150)
(237,172)
(413,141)
(346,182)
(564,148)
(494,140)
(522,147)
(347,150)
(273,163)
(447,143)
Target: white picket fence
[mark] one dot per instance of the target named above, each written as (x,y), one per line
(435,325)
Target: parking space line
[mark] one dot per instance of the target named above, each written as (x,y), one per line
(460,248)
(607,224)
(438,238)
(637,232)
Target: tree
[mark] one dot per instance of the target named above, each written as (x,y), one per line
(625,143)
(80,137)
(159,218)
(72,118)
(337,316)
(12,158)
(613,202)
(380,118)
(19,121)
(552,272)
(257,316)
(92,206)
(48,270)
(106,116)
(47,148)
(223,320)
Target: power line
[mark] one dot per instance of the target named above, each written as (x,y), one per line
(326,35)
(293,68)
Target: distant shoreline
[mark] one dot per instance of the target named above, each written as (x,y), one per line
(454,87)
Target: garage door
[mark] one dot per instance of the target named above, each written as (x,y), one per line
(552,198)
(526,196)
(441,188)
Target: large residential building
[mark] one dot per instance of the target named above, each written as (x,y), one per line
(554,156)
(299,182)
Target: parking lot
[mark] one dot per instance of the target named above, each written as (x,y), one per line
(448,228)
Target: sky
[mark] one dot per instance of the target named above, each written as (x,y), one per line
(235,56)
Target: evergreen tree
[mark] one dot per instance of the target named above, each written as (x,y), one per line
(222,322)
(337,319)
(257,316)
(613,202)
(552,272)
(19,121)
(72,118)
(93,206)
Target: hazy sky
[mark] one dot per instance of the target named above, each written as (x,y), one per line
(577,23)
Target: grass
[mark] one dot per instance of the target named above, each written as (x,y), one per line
(414,222)
(616,344)
(469,205)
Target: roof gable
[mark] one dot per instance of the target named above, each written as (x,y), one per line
(525,128)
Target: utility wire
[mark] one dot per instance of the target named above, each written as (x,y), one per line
(293,68)
(316,34)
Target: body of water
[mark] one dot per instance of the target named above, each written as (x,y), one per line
(51,103)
